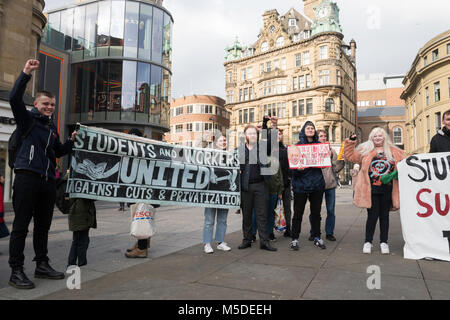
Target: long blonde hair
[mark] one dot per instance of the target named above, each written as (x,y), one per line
(366,147)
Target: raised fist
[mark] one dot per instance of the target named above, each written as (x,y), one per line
(30,66)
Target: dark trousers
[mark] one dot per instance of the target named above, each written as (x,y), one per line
(255,198)
(381,203)
(287,199)
(315,203)
(143,244)
(33,197)
(78,250)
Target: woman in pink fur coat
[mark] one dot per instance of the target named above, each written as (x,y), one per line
(377,157)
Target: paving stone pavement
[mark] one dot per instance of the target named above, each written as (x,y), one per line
(177,268)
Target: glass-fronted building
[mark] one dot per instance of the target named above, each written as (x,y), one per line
(120,63)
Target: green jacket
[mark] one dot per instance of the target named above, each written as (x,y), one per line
(276,185)
(82,214)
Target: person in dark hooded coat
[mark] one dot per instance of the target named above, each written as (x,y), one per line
(307,184)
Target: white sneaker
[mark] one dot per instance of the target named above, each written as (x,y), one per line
(367,248)
(384,248)
(223,246)
(208,248)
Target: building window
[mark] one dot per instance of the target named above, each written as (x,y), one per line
(294,84)
(250,93)
(245,115)
(268,66)
(398,135)
(329,105)
(428,130)
(283,63)
(261,68)
(308,81)
(435,54)
(294,108)
(309,106)
(301,82)
(292,22)
(323,52)
(178,111)
(338,53)
(324,77)
(230,96)
(448,48)
(264,46)
(249,73)
(240,116)
(298,60)
(306,58)
(280,42)
(301,107)
(243,74)
(190,109)
(276,64)
(437,92)
(179,128)
(252,115)
(189,127)
(240,95)
(437,117)
(230,77)
(425,61)
(427,97)
(333,134)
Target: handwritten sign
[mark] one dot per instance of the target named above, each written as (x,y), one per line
(315,155)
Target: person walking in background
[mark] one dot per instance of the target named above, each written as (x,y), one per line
(377,157)
(330,177)
(254,187)
(34,189)
(307,184)
(4,232)
(441,141)
(212,213)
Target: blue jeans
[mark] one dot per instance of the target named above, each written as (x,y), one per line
(221,227)
(271,205)
(330,200)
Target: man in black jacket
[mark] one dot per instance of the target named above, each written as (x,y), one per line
(34,188)
(441,141)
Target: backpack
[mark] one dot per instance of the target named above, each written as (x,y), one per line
(62,202)
(15,142)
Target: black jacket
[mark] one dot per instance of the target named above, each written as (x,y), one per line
(41,147)
(310,179)
(441,141)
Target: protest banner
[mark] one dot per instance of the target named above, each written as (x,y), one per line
(316,155)
(424,182)
(112,166)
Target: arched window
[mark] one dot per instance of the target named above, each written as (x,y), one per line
(280,42)
(264,46)
(398,135)
(329,105)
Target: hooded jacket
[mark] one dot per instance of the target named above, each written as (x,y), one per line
(310,179)
(441,141)
(39,150)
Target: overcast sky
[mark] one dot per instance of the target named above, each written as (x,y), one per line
(388,33)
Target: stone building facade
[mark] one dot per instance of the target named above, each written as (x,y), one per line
(299,69)
(427,93)
(194,120)
(21,24)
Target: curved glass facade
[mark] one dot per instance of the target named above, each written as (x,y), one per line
(121,55)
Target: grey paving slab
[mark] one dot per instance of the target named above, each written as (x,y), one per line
(348,285)
(435,269)
(262,278)
(439,290)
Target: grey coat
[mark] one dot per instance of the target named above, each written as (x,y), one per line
(329,174)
